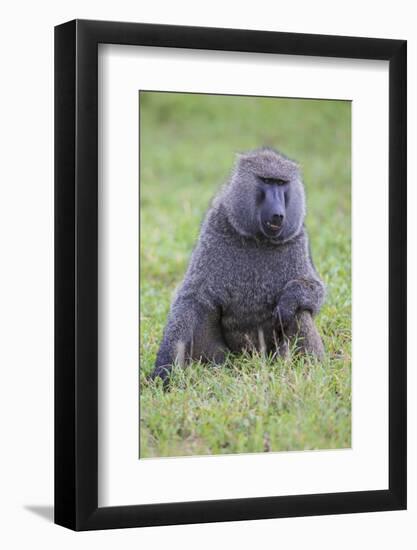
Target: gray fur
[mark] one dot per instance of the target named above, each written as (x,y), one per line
(245,289)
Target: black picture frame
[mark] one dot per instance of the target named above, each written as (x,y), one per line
(76,274)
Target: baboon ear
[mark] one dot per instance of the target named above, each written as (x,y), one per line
(240,156)
(292,164)
(244,158)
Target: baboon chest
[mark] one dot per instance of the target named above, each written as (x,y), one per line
(250,299)
(256,282)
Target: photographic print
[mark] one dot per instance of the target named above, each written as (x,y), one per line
(212,205)
(245,274)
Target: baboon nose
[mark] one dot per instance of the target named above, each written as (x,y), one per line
(277,219)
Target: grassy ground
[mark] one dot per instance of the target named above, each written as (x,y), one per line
(253,404)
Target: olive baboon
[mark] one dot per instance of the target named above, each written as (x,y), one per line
(250,283)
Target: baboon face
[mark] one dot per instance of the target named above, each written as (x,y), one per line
(266,196)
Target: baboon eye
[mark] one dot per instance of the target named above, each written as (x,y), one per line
(273,181)
(260,196)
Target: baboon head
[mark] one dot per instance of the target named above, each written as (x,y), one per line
(265,196)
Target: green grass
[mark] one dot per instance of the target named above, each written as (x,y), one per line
(252,404)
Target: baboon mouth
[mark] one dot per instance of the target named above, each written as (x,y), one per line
(273,226)
(271,230)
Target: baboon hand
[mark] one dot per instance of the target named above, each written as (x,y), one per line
(284,312)
(298,295)
(162,372)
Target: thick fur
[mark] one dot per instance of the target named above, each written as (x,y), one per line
(245,289)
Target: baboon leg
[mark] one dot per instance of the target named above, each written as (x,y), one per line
(208,343)
(304,331)
(192,333)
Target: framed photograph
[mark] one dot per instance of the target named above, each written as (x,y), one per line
(230,275)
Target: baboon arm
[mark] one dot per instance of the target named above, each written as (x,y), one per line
(192,333)
(299,295)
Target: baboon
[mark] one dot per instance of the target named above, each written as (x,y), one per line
(250,283)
